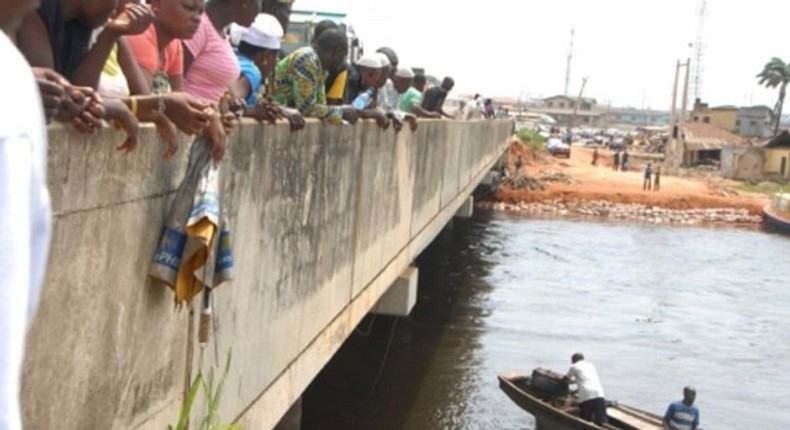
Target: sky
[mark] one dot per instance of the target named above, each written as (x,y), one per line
(627,50)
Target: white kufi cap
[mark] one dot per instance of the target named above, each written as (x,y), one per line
(404,72)
(369,61)
(265,32)
(384,61)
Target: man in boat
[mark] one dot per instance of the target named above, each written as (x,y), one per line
(592,403)
(683,415)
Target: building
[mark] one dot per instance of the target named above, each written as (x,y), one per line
(637,117)
(777,157)
(769,161)
(723,117)
(562,108)
(702,143)
(755,121)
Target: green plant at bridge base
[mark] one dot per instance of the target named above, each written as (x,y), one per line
(212,390)
(531,138)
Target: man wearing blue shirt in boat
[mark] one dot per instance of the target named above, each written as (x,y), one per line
(683,415)
(592,403)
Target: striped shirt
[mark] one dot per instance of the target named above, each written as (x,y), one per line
(682,417)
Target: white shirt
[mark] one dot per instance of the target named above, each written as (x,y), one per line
(25,220)
(586,377)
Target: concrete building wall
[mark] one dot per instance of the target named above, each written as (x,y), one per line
(742,163)
(324,220)
(777,159)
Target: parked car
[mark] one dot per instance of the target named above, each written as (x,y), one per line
(558,148)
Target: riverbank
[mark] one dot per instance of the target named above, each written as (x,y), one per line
(573,187)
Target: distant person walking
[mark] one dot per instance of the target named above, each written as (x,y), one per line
(626,161)
(647,184)
(519,165)
(595,157)
(616,161)
(683,415)
(657,179)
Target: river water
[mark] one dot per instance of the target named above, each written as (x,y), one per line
(653,307)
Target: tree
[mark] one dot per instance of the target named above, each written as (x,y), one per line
(776,74)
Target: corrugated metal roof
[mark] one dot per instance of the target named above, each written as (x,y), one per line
(780,141)
(702,137)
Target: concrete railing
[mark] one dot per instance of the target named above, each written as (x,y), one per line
(324,220)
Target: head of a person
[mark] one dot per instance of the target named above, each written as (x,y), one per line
(393,60)
(448,83)
(180,19)
(332,48)
(689,395)
(281,9)
(12,12)
(95,13)
(488,102)
(369,68)
(577,357)
(261,42)
(403,79)
(386,69)
(242,12)
(419,82)
(323,26)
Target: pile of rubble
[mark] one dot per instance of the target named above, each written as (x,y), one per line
(523,182)
(634,212)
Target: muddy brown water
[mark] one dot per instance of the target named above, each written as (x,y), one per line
(654,307)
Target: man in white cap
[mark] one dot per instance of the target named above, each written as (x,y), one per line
(257,52)
(370,70)
(410,98)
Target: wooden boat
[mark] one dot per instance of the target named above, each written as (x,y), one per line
(774,218)
(548,399)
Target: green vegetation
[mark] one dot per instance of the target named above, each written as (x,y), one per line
(212,390)
(776,74)
(769,188)
(531,138)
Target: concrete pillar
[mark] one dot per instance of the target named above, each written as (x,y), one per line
(467,209)
(401,297)
(292,420)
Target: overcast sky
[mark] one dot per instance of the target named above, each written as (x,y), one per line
(627,49)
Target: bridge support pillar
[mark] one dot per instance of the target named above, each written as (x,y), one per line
(467,209)
(401,297)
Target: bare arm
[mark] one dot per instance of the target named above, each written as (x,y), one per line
(422,113)
(138,82)
(33,41)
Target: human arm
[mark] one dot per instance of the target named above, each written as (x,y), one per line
(133,19)
(377,115)
(139,82)
(423,113)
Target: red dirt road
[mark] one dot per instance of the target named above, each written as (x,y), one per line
(602,183)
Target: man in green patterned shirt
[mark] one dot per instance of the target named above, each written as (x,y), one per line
(299,79)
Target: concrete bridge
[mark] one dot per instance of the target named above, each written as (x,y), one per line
(325,222)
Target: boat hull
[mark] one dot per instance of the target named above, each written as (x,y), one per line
(775,221)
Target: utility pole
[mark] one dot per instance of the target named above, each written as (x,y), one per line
(568,66)
(675,152)
(578,102)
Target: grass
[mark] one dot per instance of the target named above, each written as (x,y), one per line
(531,138)
(768,188)
(212,391)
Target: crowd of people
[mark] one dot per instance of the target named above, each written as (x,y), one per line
(194,66)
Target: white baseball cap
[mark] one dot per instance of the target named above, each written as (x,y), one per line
(404,72)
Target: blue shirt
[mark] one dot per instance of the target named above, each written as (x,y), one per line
(682,417)
(250,71)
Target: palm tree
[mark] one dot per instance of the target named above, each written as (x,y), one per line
(776,74)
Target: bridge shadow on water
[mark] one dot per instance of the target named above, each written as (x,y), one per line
(385,375)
